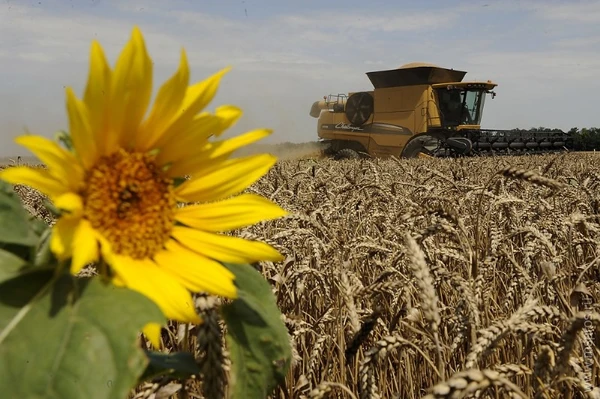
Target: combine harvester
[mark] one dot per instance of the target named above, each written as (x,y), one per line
(421,110)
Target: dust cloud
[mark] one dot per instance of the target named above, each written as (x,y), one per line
(285,151)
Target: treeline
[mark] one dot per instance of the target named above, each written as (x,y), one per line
(585,139)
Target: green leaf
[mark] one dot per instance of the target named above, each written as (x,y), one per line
(65,139)
(38,225)
(15,226)
(256,336)
(42,255)
(10,265)
(176,365)
(67,337)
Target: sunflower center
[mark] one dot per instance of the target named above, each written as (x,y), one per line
(130,202)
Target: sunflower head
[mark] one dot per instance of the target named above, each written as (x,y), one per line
(116,188)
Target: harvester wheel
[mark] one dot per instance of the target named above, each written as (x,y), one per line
(327,151)
(421,145)
(346,153)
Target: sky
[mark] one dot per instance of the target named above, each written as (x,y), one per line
(544,55)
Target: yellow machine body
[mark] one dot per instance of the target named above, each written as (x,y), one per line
(406,102)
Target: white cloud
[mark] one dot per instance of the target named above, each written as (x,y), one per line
(578,42)
(339,22)
(571,12)
(554,67)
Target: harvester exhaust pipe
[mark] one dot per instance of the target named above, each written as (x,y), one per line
(317,107)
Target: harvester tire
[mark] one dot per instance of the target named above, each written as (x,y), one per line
(346,153)
(328,151)
(416,146)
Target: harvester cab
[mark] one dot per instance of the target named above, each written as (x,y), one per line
(418,109)
(461,104)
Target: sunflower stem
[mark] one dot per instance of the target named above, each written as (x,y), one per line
(186,346)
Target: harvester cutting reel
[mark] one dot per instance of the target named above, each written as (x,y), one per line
(487,141)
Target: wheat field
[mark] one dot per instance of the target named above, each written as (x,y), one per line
(436,278)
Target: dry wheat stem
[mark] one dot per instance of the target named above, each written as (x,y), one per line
(467,382)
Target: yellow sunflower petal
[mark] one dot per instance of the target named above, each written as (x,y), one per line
(131,89)
(225,179)
(196,272)
(89,143)
(39,179)
(167,103)
(80,128)
(230,214)
(191,143)
(216,152)
(61,241)
(118,281)
(145,277)
(196,98)
(192,140)
(229,115)
(227,147)
(223,248)
(60,162)
(85,246)
(199,95)
(71,203)
(152,332)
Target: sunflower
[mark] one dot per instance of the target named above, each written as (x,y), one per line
(121,189)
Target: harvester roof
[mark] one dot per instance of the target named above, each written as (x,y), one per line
(416,73)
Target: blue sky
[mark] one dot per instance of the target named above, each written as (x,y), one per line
(545,55)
